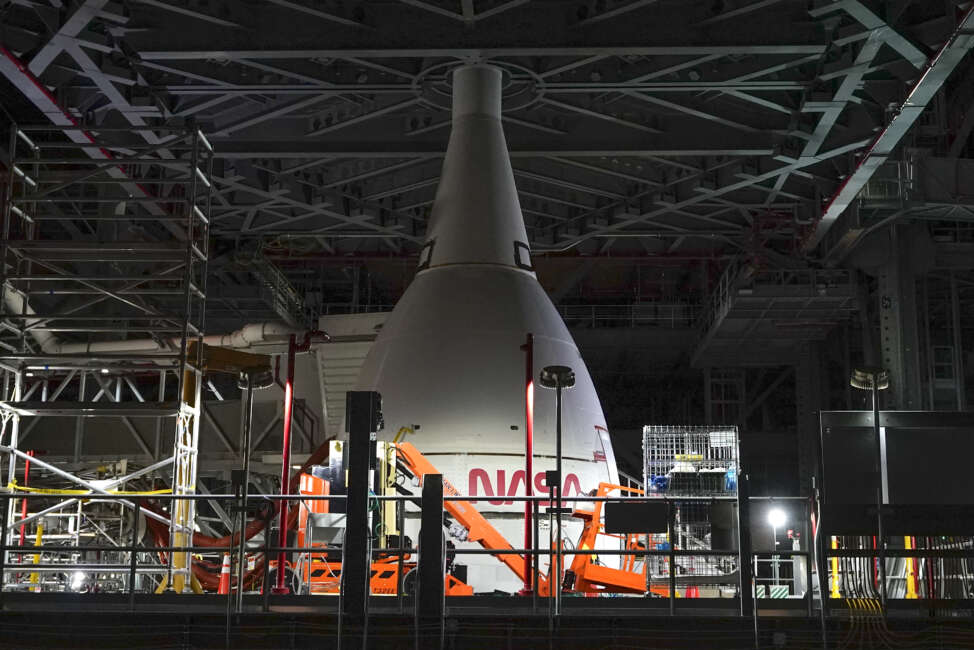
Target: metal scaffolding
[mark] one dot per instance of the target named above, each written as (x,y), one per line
(103,264)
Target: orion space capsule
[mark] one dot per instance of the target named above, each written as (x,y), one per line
(448,360)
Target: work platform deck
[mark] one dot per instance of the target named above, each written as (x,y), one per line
(190,622)
(760,317)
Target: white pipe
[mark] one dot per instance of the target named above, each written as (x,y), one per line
(246,337)
(15,303)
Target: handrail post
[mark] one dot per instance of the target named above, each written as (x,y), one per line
(535,557)
(134,553)
(747,559)
(268,519)
(807,547)
(401,527)
(5,501)
(671,530)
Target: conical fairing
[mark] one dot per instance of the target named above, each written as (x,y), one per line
(476,216)
(448,360)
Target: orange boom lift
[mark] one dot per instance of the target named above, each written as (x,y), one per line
(323,570)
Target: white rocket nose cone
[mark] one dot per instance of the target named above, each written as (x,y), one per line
(476,216)
(448,360)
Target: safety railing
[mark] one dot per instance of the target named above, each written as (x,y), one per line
(278,292)
(131,551)
(674,315)
(739,279)
(671,577)
(339,308)
(936,569)
(649,314)
(718,303)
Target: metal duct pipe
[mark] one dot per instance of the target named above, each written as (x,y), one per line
(14,301)
(246,337)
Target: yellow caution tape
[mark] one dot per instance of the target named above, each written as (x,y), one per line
(12,485)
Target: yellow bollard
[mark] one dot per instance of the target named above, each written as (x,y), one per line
(38,540)
(911,592)
(835,571)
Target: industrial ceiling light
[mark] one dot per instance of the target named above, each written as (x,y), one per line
(259,380)
(866,378)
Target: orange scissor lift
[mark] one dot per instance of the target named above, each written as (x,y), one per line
(322,572)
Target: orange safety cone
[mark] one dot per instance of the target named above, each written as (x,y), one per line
(224,586)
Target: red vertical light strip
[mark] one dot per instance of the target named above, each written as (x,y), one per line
(875,567)
(528,454)
(23,503)
(916,567)
(285,465)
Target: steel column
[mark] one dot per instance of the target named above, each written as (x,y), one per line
(808,400)
(430,597)
(898,326)
(248,425)
(280,588)
(746,562)
(362,414)
(528,348)
(958,345)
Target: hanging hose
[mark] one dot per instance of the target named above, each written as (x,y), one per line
(201,568)
(13,486)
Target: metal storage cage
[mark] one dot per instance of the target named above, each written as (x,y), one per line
(690,461)
(696,468)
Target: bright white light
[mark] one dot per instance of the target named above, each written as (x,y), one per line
(77,580)
(776,517)
(104,371)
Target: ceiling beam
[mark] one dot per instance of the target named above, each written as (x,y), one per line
(563,147)
(73,26)
(183,11)
(929,84)
(370,227)
(21,77)
(317,13)
(464,53)
(703,196)
(615,12)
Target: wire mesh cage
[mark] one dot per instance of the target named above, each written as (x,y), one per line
(690,461)
(696,469)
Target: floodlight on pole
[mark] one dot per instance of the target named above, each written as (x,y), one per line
(557,378)
(875,380)
(776,517)
(866,378)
